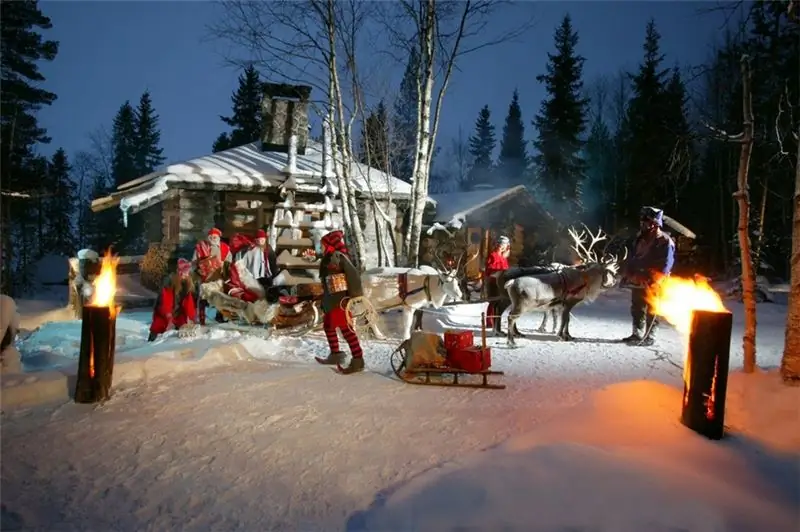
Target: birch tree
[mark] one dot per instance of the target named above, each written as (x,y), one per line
(742,196)
(313,42)
(441,32)
(790,363)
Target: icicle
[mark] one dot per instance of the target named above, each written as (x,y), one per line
(124,215)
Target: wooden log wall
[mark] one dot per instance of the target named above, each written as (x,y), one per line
(197,212)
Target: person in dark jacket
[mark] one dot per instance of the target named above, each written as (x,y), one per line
(175,305)
(340,282)
(653,255)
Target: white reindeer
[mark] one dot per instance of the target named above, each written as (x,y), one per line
(564,289)
(424,286)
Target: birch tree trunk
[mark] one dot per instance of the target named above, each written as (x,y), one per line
(743,200)
(340,132)
(790,363)
(419,192)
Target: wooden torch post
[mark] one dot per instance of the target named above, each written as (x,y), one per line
(96,362)
(706,374)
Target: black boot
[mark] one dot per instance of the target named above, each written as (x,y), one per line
(637,326)
(334,358)
(356,365)
(152,337)
(650,332)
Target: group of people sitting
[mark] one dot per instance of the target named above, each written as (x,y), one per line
(245,268)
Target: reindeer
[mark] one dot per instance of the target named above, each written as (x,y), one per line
(566,288)
(505,276)
(412,289)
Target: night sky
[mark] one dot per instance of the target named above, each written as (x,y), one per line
(112,51)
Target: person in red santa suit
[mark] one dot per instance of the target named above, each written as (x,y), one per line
(497,261)
(340,282)
(175,304)
(210,256)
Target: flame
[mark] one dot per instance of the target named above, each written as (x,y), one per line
(105,284)
(675,298)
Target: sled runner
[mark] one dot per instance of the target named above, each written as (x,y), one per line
(427,359)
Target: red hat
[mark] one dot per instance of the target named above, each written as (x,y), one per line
(334,241)
(214,232)
(261,234)
(184,267)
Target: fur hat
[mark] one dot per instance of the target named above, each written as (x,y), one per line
(214,232)
(261,234)
(652,214)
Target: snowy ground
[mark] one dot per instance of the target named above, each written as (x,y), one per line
(585,437)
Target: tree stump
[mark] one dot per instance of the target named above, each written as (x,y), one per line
(96,362)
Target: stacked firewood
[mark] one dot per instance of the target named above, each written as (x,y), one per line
(155,265)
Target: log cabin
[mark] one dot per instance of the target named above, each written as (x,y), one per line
(477,217)
(284,183)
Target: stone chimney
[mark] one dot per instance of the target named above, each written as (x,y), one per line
(285,111)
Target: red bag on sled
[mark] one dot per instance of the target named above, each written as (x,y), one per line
(456,339)
(472,359)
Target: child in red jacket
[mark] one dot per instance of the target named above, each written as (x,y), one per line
(497,261)
(175,304)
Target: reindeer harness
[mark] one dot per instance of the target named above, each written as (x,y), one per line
(402,286)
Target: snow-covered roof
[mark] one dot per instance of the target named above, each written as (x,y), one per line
(455,207)
(247,167)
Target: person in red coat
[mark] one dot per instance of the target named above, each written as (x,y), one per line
(175,305)
(497,261)
(209,258)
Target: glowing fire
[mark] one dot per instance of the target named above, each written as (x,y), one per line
(105,284)
(675,299)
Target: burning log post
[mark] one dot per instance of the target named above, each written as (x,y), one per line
(98,337)
(96,362)
(706,373)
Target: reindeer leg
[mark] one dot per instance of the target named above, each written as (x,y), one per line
(543,327)
(417,320)
(408,322)
(563,333)
(554,313)
(513,314)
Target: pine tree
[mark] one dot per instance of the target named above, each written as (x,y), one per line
(600,182)
(124,168)
(376,131)
(561,123)
(481,147)
(149,155)
(404,122)
(513,161)
(246,119)
(223,142)
(678,134)
(60,206)
(21,170)
(646,146)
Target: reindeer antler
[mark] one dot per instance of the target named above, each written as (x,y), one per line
(461,257)
(442,264)
(584,252)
